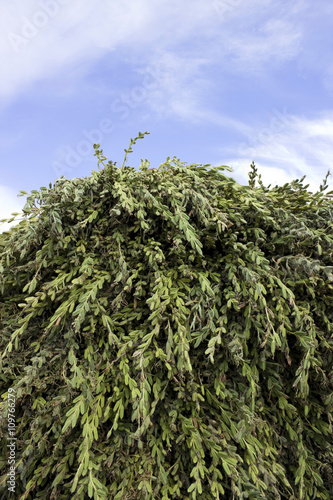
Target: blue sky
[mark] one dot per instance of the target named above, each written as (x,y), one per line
(223,82)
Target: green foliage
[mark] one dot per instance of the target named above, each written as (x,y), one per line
(168,334)
(130,150)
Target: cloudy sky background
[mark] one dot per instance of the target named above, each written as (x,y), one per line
(223,82)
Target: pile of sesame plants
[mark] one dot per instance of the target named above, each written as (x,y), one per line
(166,333)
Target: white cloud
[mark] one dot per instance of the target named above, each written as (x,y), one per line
(187,85)
(274,42)
(40,43)
(9,203)
(182,82)
(302,147)
(188,39)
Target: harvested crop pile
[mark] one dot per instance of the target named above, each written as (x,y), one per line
(167,334)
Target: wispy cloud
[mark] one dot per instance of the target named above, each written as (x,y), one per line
(225,66)
(48,36)
(45,37)
(302,147)
(188,84)
(182,84)
(274,42)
